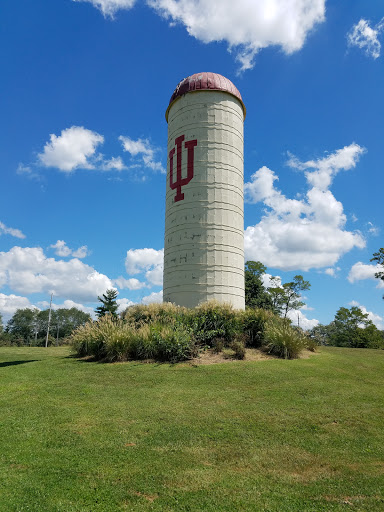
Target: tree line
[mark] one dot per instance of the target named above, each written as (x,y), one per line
(350,327)
(29,326)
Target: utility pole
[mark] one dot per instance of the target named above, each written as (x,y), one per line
(49,321)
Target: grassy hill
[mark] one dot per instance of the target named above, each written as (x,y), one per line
(274,435)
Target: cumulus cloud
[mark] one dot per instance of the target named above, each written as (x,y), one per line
(361,271)
(75,148)
(143,149)
(67,304)
(115,163)
(298,318)
(10,303)
(110,7)
(306,233)
(28,270)
(71,150)
(320,173)
(4,230)
(62,250)
(129,284)
(124,304)
(146,260)
(375,319)
(247,26)
(332,271)
(153,297)
(366,37)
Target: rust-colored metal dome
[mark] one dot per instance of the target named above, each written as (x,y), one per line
(204,82)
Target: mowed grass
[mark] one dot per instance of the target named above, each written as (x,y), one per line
(275,435)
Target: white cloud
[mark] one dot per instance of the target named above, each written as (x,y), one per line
(129,284)
(139,260)
(124,304)
(361,271)
(62,250)
(155,276)
(110,7)
(320,173)
(298,318)
(366,38)
(28,270)
(81,252)
(144,149)
(332,271)
(376,319)
(153,297)
(67,304)
(246,25)
(115,163)
(372,229)
(10,303)
(26,170)
(4,230)
(306,233)
(71,150)
(270,281)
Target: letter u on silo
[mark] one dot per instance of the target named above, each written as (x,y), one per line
(204,212)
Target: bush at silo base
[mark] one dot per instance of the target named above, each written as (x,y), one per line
(165,332)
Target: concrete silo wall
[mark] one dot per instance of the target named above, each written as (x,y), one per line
(204,226)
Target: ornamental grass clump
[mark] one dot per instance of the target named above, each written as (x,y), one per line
(212,320)
(140,314)
(253,322)
(114,339)
(283,340)
(107,338)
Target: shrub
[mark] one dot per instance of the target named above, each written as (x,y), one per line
(211,320)
(173,343)
(283,340)
(311,344)
(140,314)
(239,349)
(90,339)
(252,322)
(116,340)
(218,345)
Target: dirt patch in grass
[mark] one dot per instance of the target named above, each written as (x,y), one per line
(227,356)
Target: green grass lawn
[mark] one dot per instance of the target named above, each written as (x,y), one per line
(275,435)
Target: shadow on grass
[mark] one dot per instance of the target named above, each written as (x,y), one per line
(132,362)
(14,363)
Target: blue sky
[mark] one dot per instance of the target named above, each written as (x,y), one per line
(84,89)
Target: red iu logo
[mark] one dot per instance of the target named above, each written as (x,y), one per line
(180,181)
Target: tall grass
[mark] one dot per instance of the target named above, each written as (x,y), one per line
(117,340)
(283,340)
(167,332)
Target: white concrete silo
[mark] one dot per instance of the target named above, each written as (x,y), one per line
(204,215)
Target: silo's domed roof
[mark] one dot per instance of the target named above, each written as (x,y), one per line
(204,82)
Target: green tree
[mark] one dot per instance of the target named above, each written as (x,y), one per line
(1,323)
(352,328)
(108,304)
(66,320)
(379,258)
(287,297)
(21,325)
(321,334)
(31,325)
(256,296)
